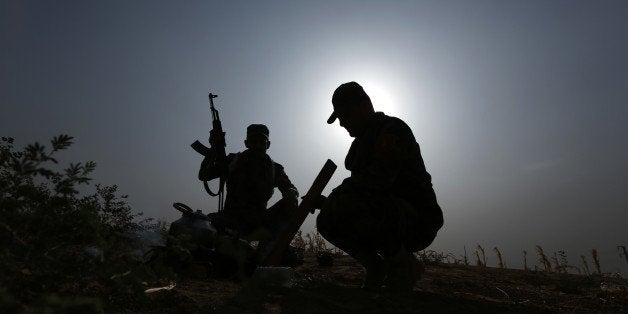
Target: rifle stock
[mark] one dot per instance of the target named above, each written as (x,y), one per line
(272,253)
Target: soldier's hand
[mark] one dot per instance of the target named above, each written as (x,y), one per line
(317,202)
(293,201)
(291,193)
(291,198)
(216,138)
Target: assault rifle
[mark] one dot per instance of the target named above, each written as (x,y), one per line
(217,153)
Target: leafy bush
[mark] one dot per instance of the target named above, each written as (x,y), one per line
(52,239)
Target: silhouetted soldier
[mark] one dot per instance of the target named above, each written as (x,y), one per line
(386,209)
(251,179)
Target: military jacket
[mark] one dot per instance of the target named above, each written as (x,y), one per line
(250,181)
(387,159)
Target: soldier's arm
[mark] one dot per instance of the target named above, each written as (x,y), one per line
(283,183)
(210,169)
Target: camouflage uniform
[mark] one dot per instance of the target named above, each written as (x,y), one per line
(251,180)
(388,200)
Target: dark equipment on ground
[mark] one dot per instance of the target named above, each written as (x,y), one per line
(195,224)
(218,254)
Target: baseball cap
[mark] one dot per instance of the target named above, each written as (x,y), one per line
(346,94)
(255,129)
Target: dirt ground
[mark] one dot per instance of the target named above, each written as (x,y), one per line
(443,288)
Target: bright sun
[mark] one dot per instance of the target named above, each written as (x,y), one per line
(380,96)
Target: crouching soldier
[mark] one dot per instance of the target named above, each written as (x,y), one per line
(386,209)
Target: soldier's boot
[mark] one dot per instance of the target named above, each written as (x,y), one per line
(375,269)
(404,269)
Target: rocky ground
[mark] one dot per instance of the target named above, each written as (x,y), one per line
(443,288)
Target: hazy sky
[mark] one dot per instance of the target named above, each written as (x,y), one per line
(520,107)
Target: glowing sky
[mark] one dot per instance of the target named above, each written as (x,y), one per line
(520,107)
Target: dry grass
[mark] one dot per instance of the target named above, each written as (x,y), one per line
(499,258)
(622,252)
(313,243)
(543,259)
(596,261)
(480,256)
(585,265)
